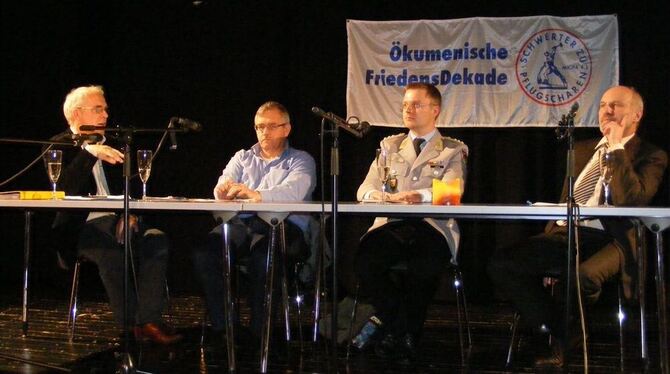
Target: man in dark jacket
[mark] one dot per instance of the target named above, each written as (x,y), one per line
(606,246)
(99,236)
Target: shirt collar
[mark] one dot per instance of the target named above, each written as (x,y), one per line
(256,150)
(603,141)
(426,137)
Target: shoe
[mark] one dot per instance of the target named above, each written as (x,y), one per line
(401,349)
(388,347)
(553,359)
(369,334)
(407,347)
(156,333)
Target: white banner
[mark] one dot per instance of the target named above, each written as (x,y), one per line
(492,72)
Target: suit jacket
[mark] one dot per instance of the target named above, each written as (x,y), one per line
(77,179)
(638,172)
(443,158)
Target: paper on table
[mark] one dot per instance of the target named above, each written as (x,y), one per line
(95,197)
(542,203)
(377,201)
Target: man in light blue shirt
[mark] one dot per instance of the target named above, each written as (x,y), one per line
(269,171)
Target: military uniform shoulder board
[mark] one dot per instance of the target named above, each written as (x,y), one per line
(452,140)
(395,136)
(456,142)
(394,139)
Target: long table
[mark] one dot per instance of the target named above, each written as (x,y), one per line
(655,219)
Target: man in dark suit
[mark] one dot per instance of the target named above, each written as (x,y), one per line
(99,236)
(606,246)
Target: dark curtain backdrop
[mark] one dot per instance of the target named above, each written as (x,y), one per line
(217,61)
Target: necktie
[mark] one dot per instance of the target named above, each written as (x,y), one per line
(417,145)
(588,183)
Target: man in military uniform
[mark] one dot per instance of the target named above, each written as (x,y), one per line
(423,245)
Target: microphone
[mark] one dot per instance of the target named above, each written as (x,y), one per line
(573,109)
(183,124)
(91,127)
(358,129)
(566,123)
(567,119)
(186,124)
(79,139)
(173,136)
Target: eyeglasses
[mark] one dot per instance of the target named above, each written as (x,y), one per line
(415,106)
(261,126)
(96,109)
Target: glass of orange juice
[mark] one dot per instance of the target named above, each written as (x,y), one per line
(447,193)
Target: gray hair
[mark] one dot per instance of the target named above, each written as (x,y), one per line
(75,97)
(274,105)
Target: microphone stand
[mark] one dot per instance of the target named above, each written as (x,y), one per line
(125,135)
(73,143)
(336,123)
(334,173)
(566,132)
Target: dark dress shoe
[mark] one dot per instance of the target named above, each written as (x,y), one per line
(388,347)
(368,335)
(401,349)
(407,347)
(553,359)
(156,333)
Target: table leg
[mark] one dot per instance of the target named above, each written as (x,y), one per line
(229,304)
(269,286)
(661,305)
(641,277)
(26,269)
(317,293)
(284,282)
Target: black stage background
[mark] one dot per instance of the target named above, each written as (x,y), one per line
(217,61)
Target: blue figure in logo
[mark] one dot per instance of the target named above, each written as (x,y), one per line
(548,73)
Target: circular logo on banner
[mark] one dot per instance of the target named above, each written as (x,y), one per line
(553,67)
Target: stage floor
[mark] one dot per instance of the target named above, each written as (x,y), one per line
(97,345)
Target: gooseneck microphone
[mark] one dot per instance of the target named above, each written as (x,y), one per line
(186,124)
(181,123)
(567,119)
(81,138)
(358,129)
(91,127)
(567,122)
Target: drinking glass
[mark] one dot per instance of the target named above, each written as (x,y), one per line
(54,159)
(144,158)
(606,171)
(383,161)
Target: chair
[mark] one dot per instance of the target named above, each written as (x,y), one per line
(621,316)
(465,341)
(514,333)
(277,239)
(74,291)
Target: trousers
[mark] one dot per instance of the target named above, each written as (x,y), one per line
(249,238)
(401,304)
(517,272)
(97,243)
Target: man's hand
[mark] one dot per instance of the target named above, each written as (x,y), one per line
(405,196)
(132,222)
(105,153)
(613,130)
(230,190)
